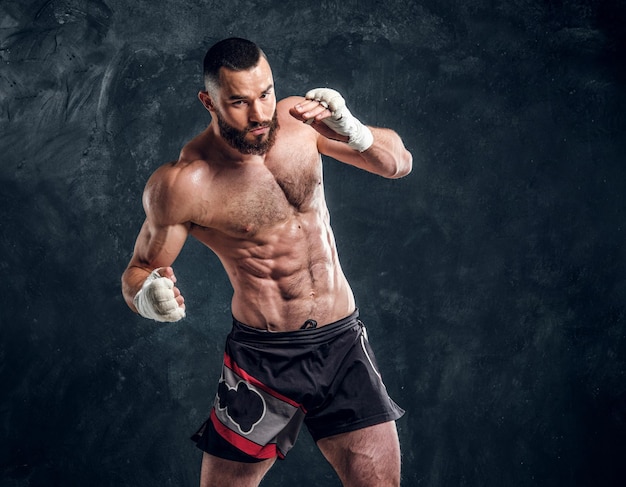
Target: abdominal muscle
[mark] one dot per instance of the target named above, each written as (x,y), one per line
(284,274)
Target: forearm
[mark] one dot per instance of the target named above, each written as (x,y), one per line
(132,281)
(347,139)
(387,156)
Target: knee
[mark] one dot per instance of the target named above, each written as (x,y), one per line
(375,472)
(369,457)
(217,472)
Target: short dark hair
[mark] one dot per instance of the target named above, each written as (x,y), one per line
(233,53)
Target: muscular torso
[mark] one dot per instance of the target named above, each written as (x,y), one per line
(267,221)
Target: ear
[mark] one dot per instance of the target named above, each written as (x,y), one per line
(205,99)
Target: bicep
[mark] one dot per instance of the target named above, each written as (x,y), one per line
(386,157)
(167,201)
(158,245)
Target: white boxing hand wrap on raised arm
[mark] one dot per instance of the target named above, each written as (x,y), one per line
(156,301)
(341,120)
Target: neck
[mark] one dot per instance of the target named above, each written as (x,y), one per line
(227,153)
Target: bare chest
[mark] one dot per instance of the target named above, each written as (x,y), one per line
(249,198)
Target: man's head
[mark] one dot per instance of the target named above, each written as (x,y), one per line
(233,53)
(240,95)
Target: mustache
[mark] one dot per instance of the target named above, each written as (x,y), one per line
(258,125)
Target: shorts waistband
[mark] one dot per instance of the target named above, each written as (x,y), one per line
(244,333)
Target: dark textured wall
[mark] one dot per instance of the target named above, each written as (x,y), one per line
(492,279)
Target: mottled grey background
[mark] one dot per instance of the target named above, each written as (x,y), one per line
(492,279)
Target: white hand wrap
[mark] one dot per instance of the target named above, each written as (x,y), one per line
(341,120)
(156,301)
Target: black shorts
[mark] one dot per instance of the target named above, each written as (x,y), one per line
(273,382)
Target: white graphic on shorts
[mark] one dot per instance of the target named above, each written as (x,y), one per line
(243,405)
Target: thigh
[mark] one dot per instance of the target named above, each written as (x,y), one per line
(218,472)
(369,457)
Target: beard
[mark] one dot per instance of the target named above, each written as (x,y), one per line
(237,138)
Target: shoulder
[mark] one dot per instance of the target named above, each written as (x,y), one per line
(171,192)
(290,101)
(286,104)
(291,124)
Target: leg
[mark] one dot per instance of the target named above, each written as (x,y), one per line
(369,457)
(217,472)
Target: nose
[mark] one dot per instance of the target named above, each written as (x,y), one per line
(256,112)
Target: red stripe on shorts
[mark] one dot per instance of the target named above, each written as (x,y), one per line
(228,362)
(250,447)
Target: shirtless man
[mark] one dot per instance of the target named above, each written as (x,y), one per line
(250,188)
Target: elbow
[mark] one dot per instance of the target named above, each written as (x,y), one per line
(403,166)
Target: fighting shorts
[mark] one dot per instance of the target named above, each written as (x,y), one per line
(271,383)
